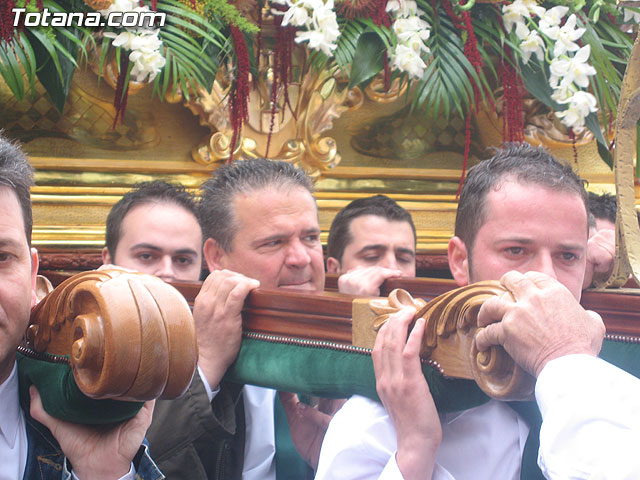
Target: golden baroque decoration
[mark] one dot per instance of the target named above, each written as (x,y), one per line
(317,99)
(450,329)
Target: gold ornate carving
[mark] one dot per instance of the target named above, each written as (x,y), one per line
(128,336)
(627,259)
(451,325)
(316,98)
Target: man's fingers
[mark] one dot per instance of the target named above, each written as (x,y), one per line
(493,310)
(489,336)
(521,283)
(38,412)
(415,339)
(289,403)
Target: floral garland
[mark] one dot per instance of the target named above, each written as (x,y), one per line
(569,67)
(143,43)
(318,20)
(411,33)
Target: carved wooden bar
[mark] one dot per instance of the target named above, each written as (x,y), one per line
(126,336)
(449,345)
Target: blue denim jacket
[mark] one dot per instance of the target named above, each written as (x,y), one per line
(45,460)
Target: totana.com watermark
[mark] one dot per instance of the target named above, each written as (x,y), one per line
(47,18)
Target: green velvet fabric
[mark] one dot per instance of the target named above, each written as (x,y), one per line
(61,397)
(328,373)
(624,355)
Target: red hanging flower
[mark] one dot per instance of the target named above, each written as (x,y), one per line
(512,114)
(122,94)
(239,96)
(6,20)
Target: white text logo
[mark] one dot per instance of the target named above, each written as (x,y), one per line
(46,18)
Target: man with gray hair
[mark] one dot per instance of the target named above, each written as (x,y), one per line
(260,224)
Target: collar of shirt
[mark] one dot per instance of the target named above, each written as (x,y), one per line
(10,413)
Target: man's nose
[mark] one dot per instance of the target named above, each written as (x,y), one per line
(164,268)
(389,261)
(297,254)
(544,263)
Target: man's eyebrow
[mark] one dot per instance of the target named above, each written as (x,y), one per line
(155,248)
(368,248)
(406,251)
(270,238)
(186,251)
(529,241)
(147,246)
(10,242)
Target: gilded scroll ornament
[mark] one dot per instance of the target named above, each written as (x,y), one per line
(289,131)
(627,261)
(127,336)
(451,325)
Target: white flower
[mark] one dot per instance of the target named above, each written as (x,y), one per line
(522,31)
(412,32)
(632,15)
(325,19)
(123,39)
(532,44)
(566,36)
(563,94)
(407,60)
(565,71)
(405,8)
(580,105)
(533,7)
(297,16)
(124,6)
(553,17)
(317,41)
(514,13)
(146,64)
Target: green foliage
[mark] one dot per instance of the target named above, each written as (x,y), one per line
(216,10)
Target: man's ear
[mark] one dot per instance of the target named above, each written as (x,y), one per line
(459,261)
(213,254)
(106,257)
(34,274)
(333,265)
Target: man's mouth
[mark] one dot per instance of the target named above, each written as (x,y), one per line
(296,285)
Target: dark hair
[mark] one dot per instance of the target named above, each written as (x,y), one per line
(218,193)
(379,205)
(603,206)
(517,161)
(17,174)
(143,193)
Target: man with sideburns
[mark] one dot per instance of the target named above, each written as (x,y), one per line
(522,218)
(34,445)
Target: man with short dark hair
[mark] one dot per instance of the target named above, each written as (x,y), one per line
(34,445)
(520,211)
(370,240)
(154,229)
(604,207)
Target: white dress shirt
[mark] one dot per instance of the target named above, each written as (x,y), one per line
(484,442)
(591,420)
(13,432)
(260,440)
